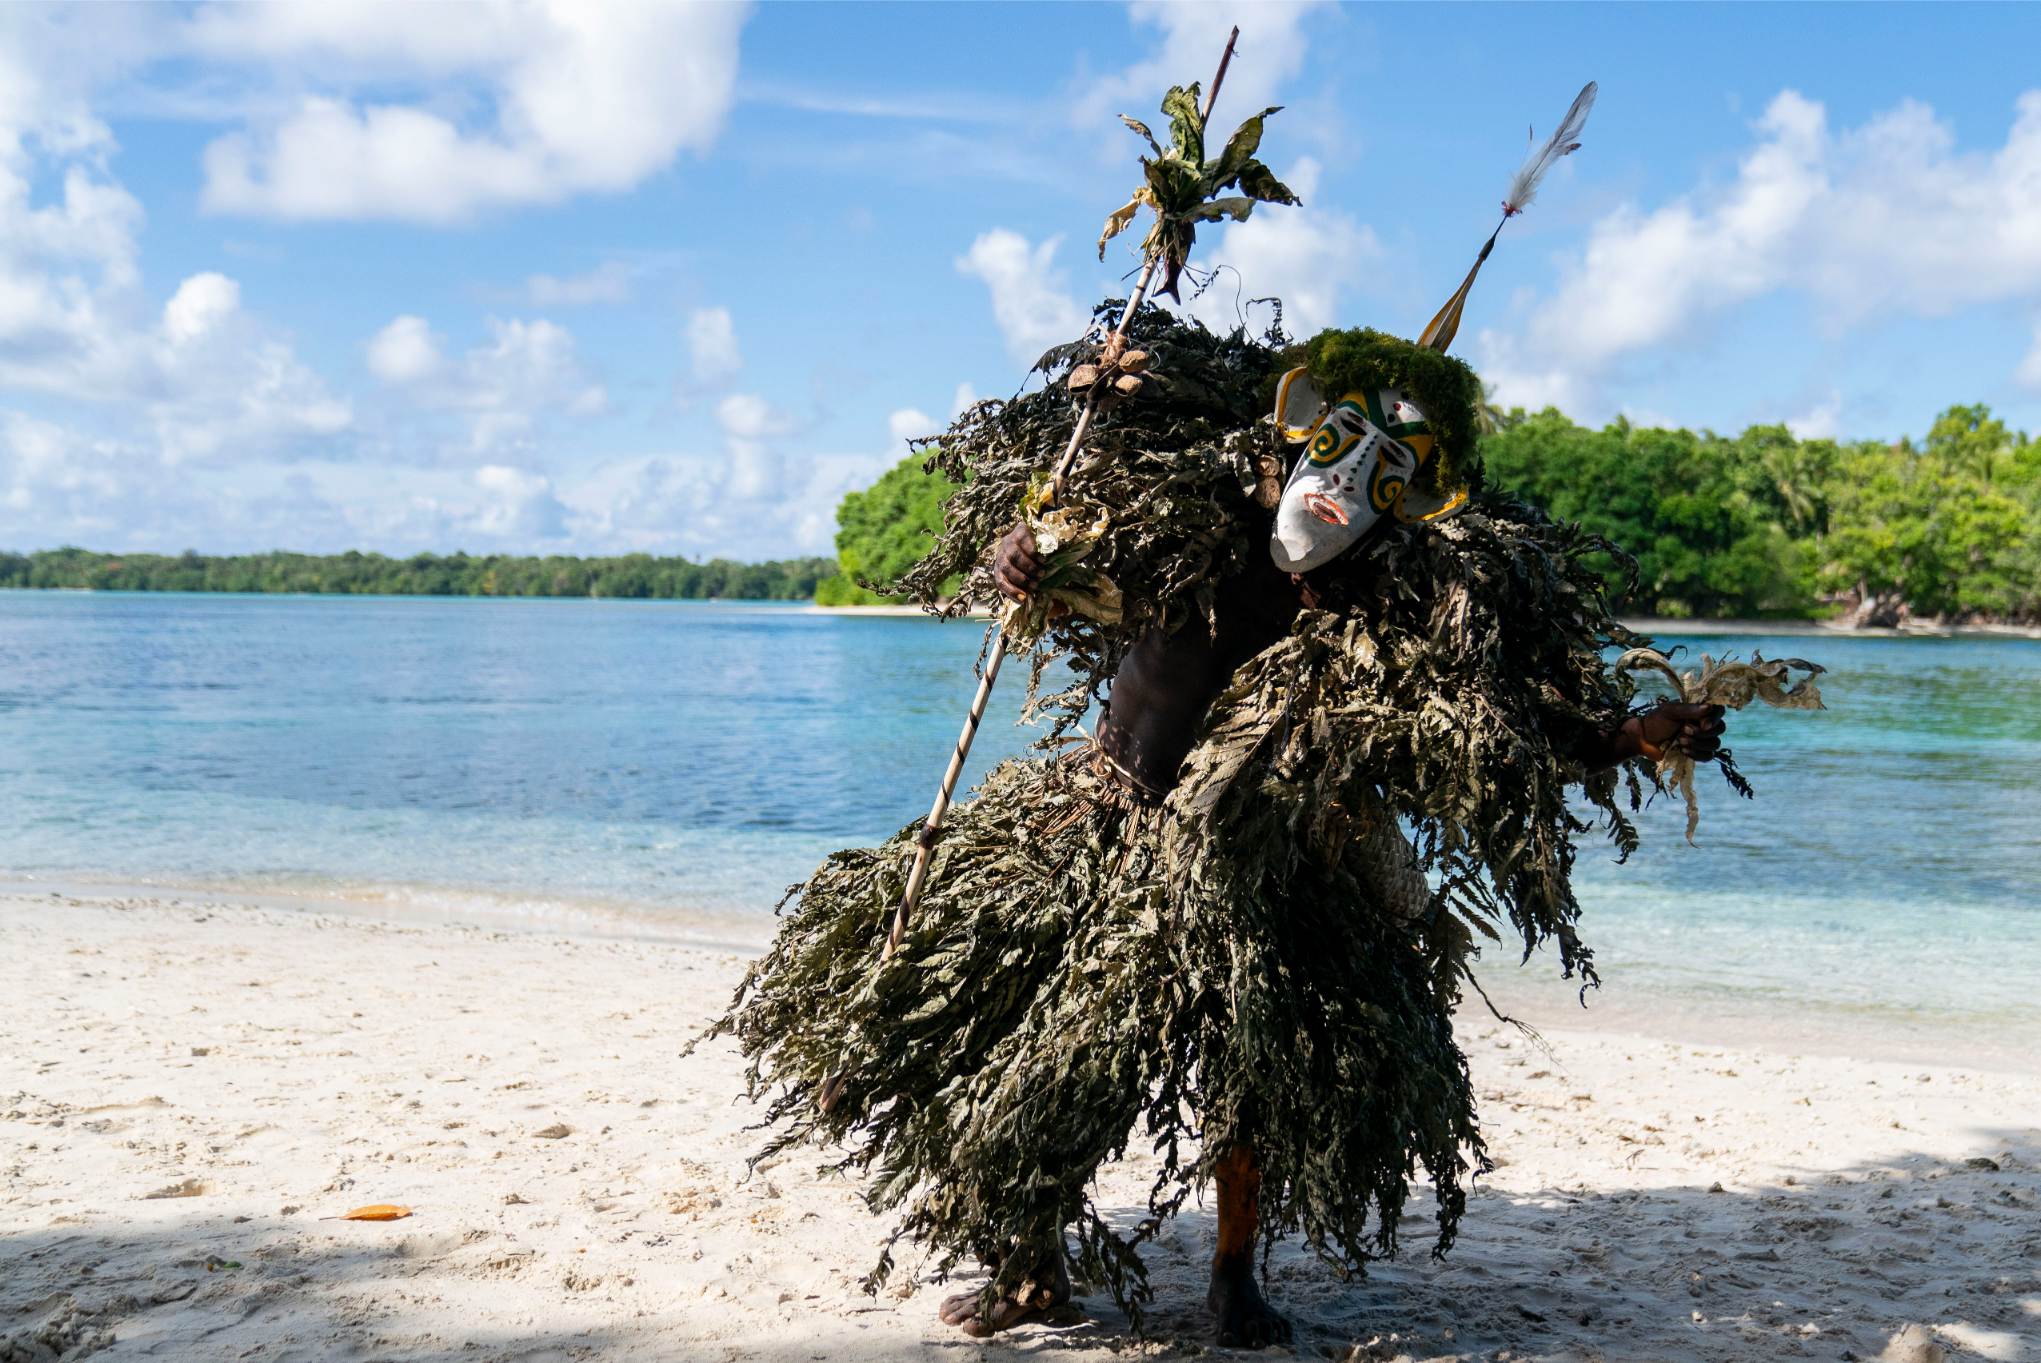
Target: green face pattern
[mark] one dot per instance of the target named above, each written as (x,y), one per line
(1357,468)
(1337,434)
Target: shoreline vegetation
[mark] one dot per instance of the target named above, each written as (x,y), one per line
(1761,531)
(1650,626)
(623,577)
(1937,535)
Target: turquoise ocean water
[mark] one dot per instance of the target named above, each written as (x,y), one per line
(571,761)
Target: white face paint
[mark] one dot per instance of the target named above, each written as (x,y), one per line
(1352,473)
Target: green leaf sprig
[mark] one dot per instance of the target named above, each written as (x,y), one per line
(1184,188)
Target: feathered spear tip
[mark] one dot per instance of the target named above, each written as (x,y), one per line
(1523,186)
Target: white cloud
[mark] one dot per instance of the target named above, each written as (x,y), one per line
(169,413)
(702,504)
(534,360)
(1308,257)
(326,507)
(2029,373)
(191,378)
(405,351)
(51,59)
(1193,36)
(63,485)
(584,98)
(200,306)
(962,399)
(1823,421)
(1887,218)
(49,473)
(502,390)
(609,282)
(909,423)
(221,385)
(156,390)
(516,505)
(68,281)
(747,416)
(377,37)
(750,499)
(750,423)
(527,370)
(1030,300)
(712,345)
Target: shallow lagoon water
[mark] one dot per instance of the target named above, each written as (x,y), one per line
(569,760)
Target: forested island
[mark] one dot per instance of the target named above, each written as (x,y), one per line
(633,576)
(1761,524)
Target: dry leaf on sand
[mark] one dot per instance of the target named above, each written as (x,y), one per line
(376,1211)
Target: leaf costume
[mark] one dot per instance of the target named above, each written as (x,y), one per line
(1261,956)
(1268,955)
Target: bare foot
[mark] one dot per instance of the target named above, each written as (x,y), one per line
(1242,1315)
(1036,1297)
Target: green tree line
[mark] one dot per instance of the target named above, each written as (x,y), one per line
(626,575)
(1760,524)
(882,530)
(1766,524)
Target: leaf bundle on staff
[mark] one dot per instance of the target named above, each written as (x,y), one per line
(1184,188)
(1114,369)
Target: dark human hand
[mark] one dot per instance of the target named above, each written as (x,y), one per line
(1016,568)
(1695,730)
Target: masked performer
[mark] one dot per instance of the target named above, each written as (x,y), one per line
(1344,695)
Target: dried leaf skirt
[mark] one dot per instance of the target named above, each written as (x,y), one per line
(1083,977)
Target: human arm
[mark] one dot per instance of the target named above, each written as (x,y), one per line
(1166,681)
(1016,567)
(1695,730)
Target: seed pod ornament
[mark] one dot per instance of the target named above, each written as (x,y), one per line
(1111,377)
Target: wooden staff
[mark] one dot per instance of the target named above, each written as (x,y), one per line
(924,846)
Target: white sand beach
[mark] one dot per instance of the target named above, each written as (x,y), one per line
(190,1091)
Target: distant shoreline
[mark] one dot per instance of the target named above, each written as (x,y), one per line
(1825,629)
(1656,625)
(1647,625)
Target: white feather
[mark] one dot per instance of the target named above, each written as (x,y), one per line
(1523,186)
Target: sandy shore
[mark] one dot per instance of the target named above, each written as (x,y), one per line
(185,1085)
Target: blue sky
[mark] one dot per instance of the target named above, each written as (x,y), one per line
(575,278)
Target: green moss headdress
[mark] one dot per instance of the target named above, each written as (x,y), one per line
(1366,361)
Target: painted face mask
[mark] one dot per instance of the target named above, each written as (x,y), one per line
(1359,457)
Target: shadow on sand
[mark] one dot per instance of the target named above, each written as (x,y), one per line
(1828,1268)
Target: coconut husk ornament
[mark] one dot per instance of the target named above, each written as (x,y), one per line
(1117,373)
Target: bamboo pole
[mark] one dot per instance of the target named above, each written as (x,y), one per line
(931,828)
